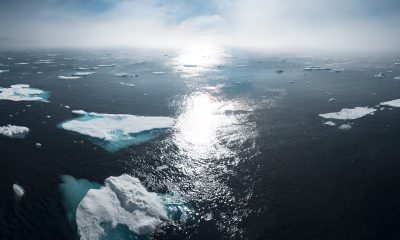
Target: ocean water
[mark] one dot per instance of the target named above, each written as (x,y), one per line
(249,156)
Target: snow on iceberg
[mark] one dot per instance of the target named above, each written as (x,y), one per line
(122,207)
(69,77)
(23,92)
(349,113)
(116,131)
(393,103)
(14,131)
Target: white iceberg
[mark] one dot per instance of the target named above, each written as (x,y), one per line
(115,131)
(107,65)
(349,113)
(127,84)
(393,103)
(69,77)
(79,74)
(14,131)
(344,127)
(158,73)
(86,68)
(317,68)
(380,75)
(23,92)
(330,123)
(22,63)
(3,71)
(123,200)
(397,78)
(18,190)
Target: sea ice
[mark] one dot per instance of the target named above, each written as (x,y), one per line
(344,127)
(397,78)
(162,167)
(158,73)
(349,113)
(3,71)
(127,84)
(79,74)
(14,131)
(317,68)
(23,92)
(393,103)
(115,131)
(18,190)
(21,63)
(330,123)
(69,77)
(86,68)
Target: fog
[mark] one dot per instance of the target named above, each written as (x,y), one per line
(353,25)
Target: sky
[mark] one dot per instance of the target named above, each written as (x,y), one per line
(346,25)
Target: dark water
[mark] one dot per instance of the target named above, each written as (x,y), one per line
(249,152)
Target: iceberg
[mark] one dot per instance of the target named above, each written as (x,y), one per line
(3,71)
(330,123)
(107,65)
(86,68)
(69,77)
(79,74)
(22,63)
(317,68)
(18,190)
(127,84)
(158,73)
(124,74)
(344,127)
(393,103)
(122,207)
(397,78)
(14,131)
(23,92)
(116,131)
(349,113)
(380,75)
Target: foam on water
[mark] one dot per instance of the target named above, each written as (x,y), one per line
(122,207)
(116,131)
(393,103)
(23,92)
(349,113)
(14,131)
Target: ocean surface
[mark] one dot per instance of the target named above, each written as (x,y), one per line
(248,155)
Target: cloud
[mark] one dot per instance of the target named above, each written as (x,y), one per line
(364,25)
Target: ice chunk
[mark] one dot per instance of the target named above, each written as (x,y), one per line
(115,131)
(393,103)
(107,65)
(397,78)
(21,63)
(331,99)
(123,200)
(14,131)
(38,145)
(380,75)
(69,77)
(344,127)
(18,190)
(317,68)
(124,74)
(330,123)
(158,73)
(162,167)
(79,74)
(3,71)
(23,92)
(86,68)
(349,113)
(127,84)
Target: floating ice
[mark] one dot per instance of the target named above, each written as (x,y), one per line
(69,77)
(380,75)
(331,99)
(3,71)
(107,65)
(162,167)
(158,73)
(397,78)
(21,63)
(115,131)
(124,74)
(82,74)
(393,103)
(38,145)
(397,63)
(127,84)
(23,92)
(330,123)
(349,113)
(18,190)
(344,127)
(14,131)
(317,68)
(86,68)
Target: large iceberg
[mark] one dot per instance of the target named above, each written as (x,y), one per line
(122,207)
(115,131)
(349,113)
(393,103)
(14,131)
(23,92)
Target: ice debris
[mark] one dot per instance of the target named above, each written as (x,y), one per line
(23,92)
(14,131)
(349,113)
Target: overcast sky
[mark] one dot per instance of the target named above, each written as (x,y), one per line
(366,25)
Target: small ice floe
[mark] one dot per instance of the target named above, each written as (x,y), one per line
(344,127)
(3,71)
(69,77)
(23,92)
(317,68)
(308,82)
(81,74)
(67,106)
(39,72)
(397,78)
(18,190)
(380,75)
(107,65)
(279,71)
(397,63)
(158,73)
(127,84)
(392,103)
(331,99)
(124,74)
(330,123)
(22,63)
(45,61)
(14,131)
(38,145)
(349,113)
(48,116)
(86,68)
(241,65)
(162,167)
